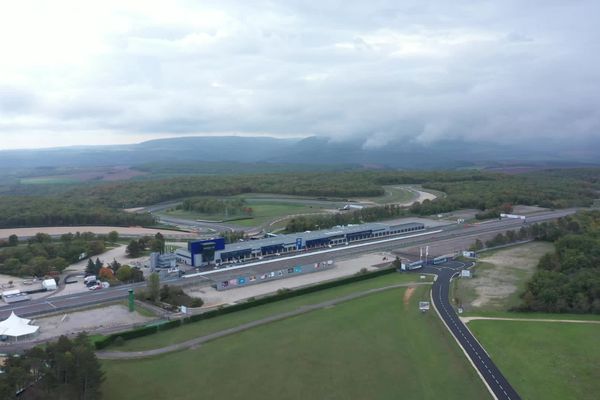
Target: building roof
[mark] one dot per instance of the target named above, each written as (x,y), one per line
(16,326)
(290,238)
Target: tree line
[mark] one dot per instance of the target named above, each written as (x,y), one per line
(41,255)
(103,203)
(63,370)
(568,280)
(492,194)
(63,210)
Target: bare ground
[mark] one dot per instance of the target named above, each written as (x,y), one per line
(501,276)
(91,320)
(407,295)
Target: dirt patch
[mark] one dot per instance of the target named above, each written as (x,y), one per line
(407,295)
(499,277)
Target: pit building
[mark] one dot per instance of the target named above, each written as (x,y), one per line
(203,252)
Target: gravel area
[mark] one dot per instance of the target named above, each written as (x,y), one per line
(87,320)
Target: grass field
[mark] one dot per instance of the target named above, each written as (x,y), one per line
(376,347)
(545,360)
(263,211)
(499,278)
(190,331)
(394,194)
(269,207)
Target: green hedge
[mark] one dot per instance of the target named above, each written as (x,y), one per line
(148,330)
(127,335)
(169,325)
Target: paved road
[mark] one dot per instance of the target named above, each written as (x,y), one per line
(37,307)
(492,376)
(75,300)
(122,355)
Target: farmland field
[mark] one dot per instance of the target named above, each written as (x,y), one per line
(544,360)
(379,346)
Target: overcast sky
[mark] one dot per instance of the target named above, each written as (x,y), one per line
(119,71)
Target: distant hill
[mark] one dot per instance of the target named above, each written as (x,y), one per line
(308,151)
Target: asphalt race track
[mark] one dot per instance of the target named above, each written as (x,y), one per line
(440,295)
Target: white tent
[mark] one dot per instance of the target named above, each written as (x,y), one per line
(17,327)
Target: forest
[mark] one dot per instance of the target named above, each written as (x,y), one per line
(24,211)
(492,193)
(103,203)
(568,280)
(67,369)
(41,255)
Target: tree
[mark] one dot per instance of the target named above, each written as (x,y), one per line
(13,240)
(113,236)
(115,265)
(91,268)
(65,369)
(133,249)
(106,273)
(137,275)
(95,247)
(153,286)
(58,263)
(511,236)
(125,273)
(157,246)
(478,245)
(99,264)
(42,238)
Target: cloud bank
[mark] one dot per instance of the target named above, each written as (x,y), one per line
(114,71)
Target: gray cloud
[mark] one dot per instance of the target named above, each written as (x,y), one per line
(375,71)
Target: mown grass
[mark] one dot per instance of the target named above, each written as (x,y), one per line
(545,360)
(375,347)
(205,327)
